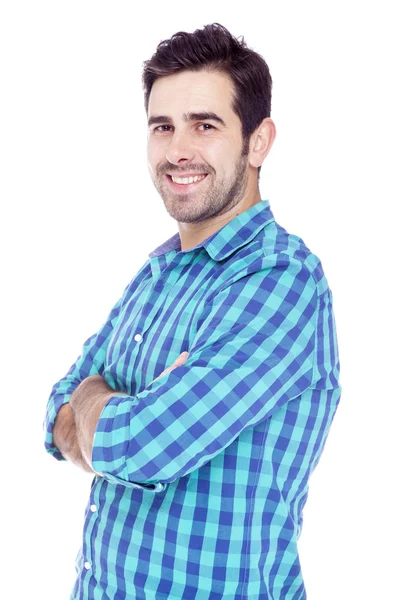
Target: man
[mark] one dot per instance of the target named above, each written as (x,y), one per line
(203,403)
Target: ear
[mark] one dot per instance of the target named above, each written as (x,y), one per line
(261,141)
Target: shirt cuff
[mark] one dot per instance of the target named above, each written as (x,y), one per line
(48,426)
(111,442)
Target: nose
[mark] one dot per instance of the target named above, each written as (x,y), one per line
(180,149)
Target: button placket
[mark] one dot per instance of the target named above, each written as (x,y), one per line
(93,508)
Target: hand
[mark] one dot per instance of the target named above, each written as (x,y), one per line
(178,363)
(87,402)
(65,438)
(64,430)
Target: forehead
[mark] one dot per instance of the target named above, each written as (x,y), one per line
(192,91)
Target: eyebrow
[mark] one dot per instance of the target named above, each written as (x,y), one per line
(191,116)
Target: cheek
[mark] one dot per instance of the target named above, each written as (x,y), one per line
(221,152)
(155,156)
(151,150)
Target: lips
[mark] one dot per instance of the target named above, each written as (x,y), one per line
(184,187)
(189,176)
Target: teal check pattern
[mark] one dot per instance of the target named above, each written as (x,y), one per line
(205,471)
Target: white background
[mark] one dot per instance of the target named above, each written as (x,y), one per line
(80,215)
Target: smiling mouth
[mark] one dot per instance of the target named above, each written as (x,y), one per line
(186,181)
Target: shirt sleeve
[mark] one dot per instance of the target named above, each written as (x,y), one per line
(254,350)
(90,362)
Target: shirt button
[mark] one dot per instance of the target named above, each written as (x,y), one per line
(87,565)
(93,508)
(137,337)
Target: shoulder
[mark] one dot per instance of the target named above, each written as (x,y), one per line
(276,249)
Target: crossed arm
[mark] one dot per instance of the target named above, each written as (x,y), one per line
(76,421)
(257,346)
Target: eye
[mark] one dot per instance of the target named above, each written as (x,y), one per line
(207,125)
(160,128)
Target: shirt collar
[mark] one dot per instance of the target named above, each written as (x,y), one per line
(235,234)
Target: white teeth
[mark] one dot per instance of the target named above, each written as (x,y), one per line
(187,180)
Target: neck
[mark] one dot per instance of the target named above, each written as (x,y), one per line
(192,234)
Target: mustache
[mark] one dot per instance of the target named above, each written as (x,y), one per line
(185,169)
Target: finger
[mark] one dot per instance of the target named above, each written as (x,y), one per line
(178,362)
(181,359)
(163,373)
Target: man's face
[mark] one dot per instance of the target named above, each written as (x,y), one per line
(184,140)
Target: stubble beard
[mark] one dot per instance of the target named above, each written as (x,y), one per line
(216,200)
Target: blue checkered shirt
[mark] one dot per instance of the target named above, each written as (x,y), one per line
(205,471)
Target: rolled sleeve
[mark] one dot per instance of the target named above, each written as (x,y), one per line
(254,351)
(90,362)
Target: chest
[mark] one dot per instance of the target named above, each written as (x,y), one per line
(158,321)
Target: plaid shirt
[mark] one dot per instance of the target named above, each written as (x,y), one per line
(205,472)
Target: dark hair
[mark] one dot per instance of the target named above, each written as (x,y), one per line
(214,48)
